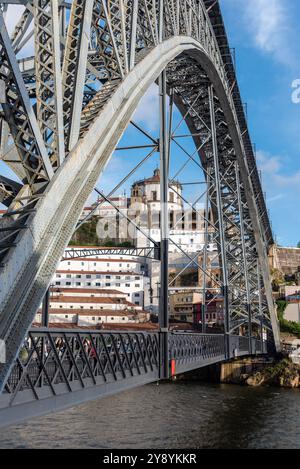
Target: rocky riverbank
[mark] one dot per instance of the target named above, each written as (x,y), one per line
(284,373)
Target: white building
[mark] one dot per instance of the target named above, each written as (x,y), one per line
(90,318)
(126,274)
(91,307)
(186,225)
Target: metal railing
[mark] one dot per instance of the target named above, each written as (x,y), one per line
(188,349)
(53,357)
(63,368)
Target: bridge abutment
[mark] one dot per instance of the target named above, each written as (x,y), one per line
(236,371)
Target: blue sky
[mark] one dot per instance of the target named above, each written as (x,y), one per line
(265,34)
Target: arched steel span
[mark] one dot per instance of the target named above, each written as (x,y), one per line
(61,144)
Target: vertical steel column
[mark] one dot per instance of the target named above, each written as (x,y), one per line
(134,15)
(161,21)
(242,228)
(260,301)
(204,261)
(220,218)
(45,309)
(164,229)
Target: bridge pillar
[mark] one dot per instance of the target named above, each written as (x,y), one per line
(164,229)
(245,263)
(221,227)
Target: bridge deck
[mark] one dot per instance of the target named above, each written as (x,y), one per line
(57,369)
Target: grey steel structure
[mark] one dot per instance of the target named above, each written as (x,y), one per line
(63,113)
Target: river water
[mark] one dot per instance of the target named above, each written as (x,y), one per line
(170,415)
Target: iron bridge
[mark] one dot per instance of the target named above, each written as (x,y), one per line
(63,111)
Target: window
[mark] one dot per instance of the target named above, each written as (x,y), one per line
(136,302)
(154,195)
(137,278)
(88,276)
(78,284)
(136,295)
(118,277)
(68,276)
(57,283)
(112,319)
(91,307)
(66,316)
(107,284)
(58,276)
(89,284)
(98,284)
(172,197)
(118,284)
(71,307)
(123,319)
(137,285)
(69,263)
(107,276)
(127,278)
(82,263)
(127,285)
(98,276)
(93,318)
(78,276)
(68,283)
(107,265)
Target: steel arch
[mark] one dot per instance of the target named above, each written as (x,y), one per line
(131,43)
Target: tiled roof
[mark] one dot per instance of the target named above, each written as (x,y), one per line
(87,290)
(93,299)
(90,312)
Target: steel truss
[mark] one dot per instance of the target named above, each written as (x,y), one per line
(62,115)
(150,253)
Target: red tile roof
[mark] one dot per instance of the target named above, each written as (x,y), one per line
(86,299)
(87,290)
(147,326)
(90,312)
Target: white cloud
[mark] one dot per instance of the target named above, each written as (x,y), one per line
(269,22)
(272,168)
(275,198)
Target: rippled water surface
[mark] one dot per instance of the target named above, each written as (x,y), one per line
(177,415)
